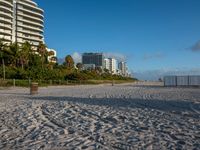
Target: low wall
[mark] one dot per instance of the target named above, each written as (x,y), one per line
(183,81)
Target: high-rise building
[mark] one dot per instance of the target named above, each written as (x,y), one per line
(93,58)
(113,65)
(123,68)
(20,21)
(107,64)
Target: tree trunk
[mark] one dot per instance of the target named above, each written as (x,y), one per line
(4,70)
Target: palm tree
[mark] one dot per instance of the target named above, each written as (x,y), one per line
(42,50)
(25,53)
(15,54)
(69,62)
(3,49)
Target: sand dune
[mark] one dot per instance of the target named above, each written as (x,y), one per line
(127,116)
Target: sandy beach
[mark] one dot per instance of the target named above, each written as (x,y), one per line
(127,116)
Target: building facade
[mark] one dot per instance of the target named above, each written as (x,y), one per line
(20,21)
(123,68)
(93,58)
(113,65)
(106,64)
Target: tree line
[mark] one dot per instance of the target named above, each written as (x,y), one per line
(25,62)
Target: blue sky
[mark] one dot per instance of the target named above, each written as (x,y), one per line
(154,35)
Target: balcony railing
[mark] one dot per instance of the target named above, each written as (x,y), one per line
(32,17)
(31,22)
(6,20)
(30,38)
(29,32)
(6,14)
(30,27)
(5,32)
(5,26)
(6,8)
(31,12)
(31,6)
(6,2)
(5,37)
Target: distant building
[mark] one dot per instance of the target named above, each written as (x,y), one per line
(107,64)
(113,65)
(93,58)
(123,68)
(89,66)
(53,55)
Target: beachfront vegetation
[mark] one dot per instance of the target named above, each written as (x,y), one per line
(24,62)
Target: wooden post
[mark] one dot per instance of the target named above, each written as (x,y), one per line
(13,82)
(29,81)
(4,70)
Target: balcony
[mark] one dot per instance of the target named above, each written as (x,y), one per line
(31,22)
(30,33)
(32,17)
(23,19)
(6,2)
(34,6)
(6,14)
(5,32)
(29,38)
(7,38)
(2,19)
(31,12)
(5,26)
(6,8)
(30,27)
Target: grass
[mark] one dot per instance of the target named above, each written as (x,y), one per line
(26,83)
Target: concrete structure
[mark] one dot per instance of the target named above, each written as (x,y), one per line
(89,66)
(53,57)
(123,68)
(93,58)
(20,21)
(107,64)
(182,81)
(113,65)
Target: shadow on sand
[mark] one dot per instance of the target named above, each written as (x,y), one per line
(161,105)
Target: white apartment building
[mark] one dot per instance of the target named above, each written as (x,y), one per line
(20,21)
(123,68)
(107,64)
(111,65)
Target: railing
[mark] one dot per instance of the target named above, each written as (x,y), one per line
(5,19)
(26,83)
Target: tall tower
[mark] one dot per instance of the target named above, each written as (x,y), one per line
(113,65)
(20,21)
(123,68)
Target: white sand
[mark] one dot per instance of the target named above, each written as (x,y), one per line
(127,116)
